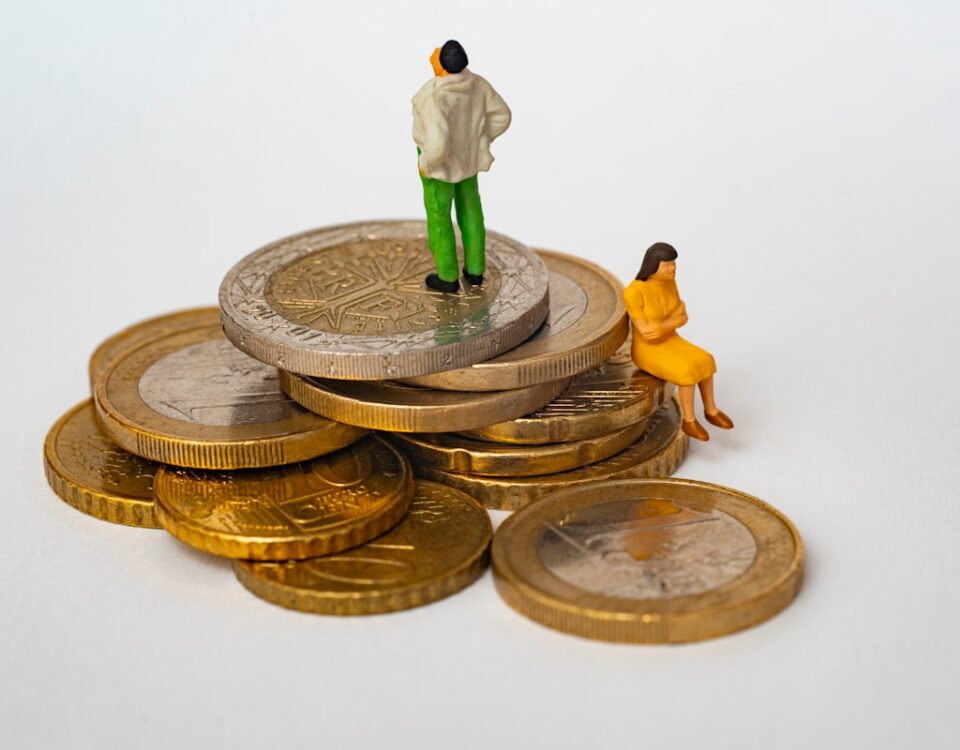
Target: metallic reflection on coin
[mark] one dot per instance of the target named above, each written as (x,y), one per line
(350,302)
(94,475)
(440,547)
(648,561)
(586,324)
(290,512)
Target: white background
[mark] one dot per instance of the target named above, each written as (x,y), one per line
(803,158)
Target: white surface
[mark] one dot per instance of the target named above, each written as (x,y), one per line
(802,157)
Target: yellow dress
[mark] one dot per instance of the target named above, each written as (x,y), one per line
(673,358)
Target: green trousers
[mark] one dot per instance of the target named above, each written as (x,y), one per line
(438,198)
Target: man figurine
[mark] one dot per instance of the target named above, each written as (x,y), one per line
(456,115)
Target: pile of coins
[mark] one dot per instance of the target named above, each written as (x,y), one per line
(336,428)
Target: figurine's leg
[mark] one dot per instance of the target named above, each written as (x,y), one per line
(470,219)
(690,425)
(438,200)
(711,412)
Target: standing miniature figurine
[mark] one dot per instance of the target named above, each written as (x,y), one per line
(456,116)
(656,311)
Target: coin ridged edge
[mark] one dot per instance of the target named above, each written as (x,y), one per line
(291,548)
(115,509)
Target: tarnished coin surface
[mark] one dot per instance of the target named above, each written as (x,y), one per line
(648,561)
(94,475)
(440,547)
(193,399)
(464,455)
(658,452)
(586,324)
(603,399)
(291,512)
(350,302)
(397,407)
(145,330)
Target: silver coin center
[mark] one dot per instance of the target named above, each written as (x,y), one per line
(568,303)
(647,549)
(213,383)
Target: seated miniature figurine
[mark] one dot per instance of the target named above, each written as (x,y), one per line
(456,115)
(656,312)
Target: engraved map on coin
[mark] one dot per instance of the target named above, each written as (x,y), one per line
(568,303)
(647,549)
(214,383)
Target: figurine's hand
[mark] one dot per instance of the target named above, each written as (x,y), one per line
(653,331)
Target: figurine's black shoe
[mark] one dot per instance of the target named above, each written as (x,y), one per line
(474,279)
(435,282)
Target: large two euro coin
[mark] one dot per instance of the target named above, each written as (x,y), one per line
(349,302)
(586,324)
(648,561)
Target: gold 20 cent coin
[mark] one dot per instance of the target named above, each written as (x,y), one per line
(288,512)
(440,547)
(648,561)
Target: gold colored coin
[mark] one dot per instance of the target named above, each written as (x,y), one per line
(94,475)
(606,398)
(648,561)
(291,512)
(191,398)
(658,452)
(463,455)
(585,325)
(396,407)
(440,547)
(145,330)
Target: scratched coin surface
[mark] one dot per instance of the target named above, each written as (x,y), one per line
(145,330)
(290,512)
(94,475)
(465,455)
(440,547)
(586,324)
(350,302)
(648,561)
(603,399)
(191,398)
(658,452)
(398,407)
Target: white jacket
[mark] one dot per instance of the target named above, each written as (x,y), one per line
(455,118)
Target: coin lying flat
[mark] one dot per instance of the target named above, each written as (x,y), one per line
(350,302)
(291,512)
(648,561)
(94,475)
(133,336)
(658,452)
(606,398)
(397,407)
(440,547)
(464,455)
(586,324)
(191,398)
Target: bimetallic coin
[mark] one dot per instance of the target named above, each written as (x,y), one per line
(397,407)
(598,401)
(658,452)
(648,561)
(130,338)
(440,547)
(291,512)
(586,324)
(466,456)
(193,399)
(94,475)
(350,302)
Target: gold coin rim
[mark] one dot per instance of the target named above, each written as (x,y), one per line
(581,349)
(383,601)
(628,621)
(106,506)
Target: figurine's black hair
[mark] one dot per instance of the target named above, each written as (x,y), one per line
(453,58)
(655,255)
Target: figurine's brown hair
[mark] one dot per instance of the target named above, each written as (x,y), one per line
(655,255)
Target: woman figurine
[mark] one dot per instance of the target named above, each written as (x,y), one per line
(656,312)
